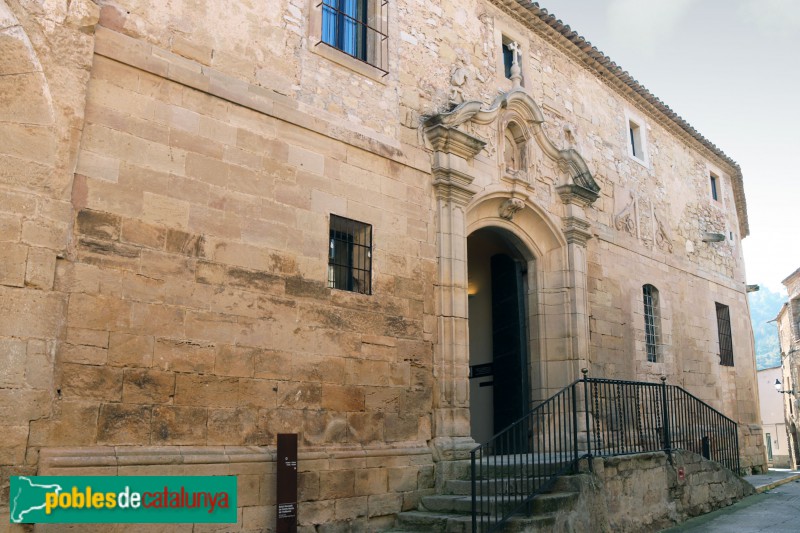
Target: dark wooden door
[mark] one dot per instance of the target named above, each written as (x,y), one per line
(509,344)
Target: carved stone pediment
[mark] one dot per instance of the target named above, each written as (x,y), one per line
(515,111)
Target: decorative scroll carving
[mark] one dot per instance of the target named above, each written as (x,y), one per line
(662,236)
(528,115)
(626,219)
(510,207)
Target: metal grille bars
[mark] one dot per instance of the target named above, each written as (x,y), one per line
(591,418)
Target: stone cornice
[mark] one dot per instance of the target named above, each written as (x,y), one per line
(569,42)
(576,194)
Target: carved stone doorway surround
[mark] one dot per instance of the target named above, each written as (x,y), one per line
(456,200)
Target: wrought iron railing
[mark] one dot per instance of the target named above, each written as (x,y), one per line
(591,418)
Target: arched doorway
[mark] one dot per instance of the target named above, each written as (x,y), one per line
(499,333)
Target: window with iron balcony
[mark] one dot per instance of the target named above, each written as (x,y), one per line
(359,28)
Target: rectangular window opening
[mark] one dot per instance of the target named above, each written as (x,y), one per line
(350,255)
(724,332)
(359,28)
(714,182)
(508,58)
(635,132)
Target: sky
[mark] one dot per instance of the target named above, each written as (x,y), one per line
(730,69)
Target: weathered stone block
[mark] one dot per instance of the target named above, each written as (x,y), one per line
(366,427)
(147,386)
(371,481)
(384,504)
(130,350)
(299,395)
(335,484)
(144,234)
(12,362)
(179,425)
(271,364)
(98,224)
(90,355)
(258,393)
(342,398)
(73,423)
(120,424)
(183,356)
(88,381)
(403,479)
(209,390)
(41,268)
(13,265)
(233,426)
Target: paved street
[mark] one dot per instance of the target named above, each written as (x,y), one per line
(775,511)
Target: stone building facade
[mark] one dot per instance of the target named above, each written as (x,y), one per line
(773,421)
(788,322)
(173,177)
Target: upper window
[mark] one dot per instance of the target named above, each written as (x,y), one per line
(724,332)
(714,186)
(637,145)
(350,255)
(357,28)
(508,58)
(652,322)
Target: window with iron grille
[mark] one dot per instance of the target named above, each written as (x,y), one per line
(724,331)
(350,255)
(652,322)
(359,28)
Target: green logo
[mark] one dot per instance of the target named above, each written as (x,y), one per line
(122,499)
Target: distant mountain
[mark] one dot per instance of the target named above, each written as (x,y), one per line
(764,306)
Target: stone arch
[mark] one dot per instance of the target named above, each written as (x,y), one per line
(26,92)
(537,238)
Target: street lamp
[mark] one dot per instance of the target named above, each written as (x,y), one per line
(778,388)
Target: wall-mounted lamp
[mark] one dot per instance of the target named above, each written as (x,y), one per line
(778,387)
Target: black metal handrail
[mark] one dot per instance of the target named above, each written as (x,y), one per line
(591,417)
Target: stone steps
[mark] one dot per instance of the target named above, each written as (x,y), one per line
(450,512)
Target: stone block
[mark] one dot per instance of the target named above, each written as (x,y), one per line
(371,481)
(308,486)
(13,354)
(98,312)
(315,513)
(179,425)
(13,262)
(183,356)
(366,427)
(342,398)
(41,268)
(184,243)
(147,386)
(401,427)
(294,395)
(88,381)
(73,423)
(334,484)
(384,504)
(121,424)
(258,393)
(143,234)
(13,444)
(350,508)
(208,390)
(130,350)
(233,426)
(403,479)
(99,225)
(235,360)
(90,355)
(272,364)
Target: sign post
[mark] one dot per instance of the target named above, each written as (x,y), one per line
(287,483)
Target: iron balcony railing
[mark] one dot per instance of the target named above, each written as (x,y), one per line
(591,417)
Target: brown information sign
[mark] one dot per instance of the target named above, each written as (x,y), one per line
(287,483)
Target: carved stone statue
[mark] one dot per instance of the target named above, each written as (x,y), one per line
(458,80)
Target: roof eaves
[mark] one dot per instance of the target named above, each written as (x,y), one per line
(608,69)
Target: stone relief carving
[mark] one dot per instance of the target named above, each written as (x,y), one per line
(662,235)
(638,218)
(459,77)
(510,207)
(626,219)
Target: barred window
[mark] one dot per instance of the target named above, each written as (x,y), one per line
(652,322)
(724,331)
(359,28)
(350,255)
